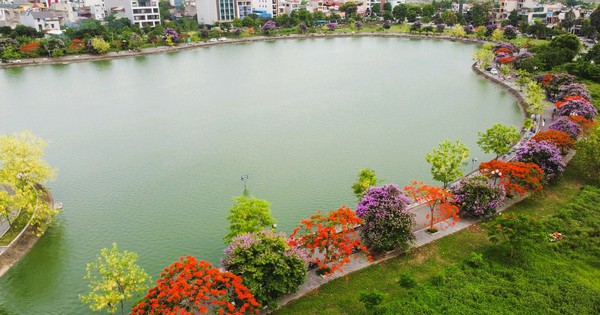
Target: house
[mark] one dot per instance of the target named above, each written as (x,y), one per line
(140,12)
(43,21)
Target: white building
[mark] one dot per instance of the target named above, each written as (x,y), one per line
(42,21)
(140,12)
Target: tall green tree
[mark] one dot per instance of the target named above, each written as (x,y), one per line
(399,12)
(513,18)
(113,279)
(446,161)
(595,19)
(349,8)
(248,215)
(534,96)
(587,159)
(498,139)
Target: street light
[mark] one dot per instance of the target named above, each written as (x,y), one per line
(496,174)
(244,179)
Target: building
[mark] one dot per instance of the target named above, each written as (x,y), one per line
(9,14)
(263,8)
(43,21)
(140,12)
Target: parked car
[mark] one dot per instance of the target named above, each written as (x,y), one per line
(494,71)
(488,68)
(212,40)
(222,39)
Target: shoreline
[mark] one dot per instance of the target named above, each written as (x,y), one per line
(181,47)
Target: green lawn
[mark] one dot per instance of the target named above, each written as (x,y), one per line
(551,278)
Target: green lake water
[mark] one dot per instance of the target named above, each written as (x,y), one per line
(150,150)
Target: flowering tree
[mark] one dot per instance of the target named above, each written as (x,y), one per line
(476,196)
(584,123)
(559,138)
(269,267)
(446,161)
(330,26)
(268,27)
(113,279)
(498,139)
(171,34)
(439,201)
(387,224)
(574,89)
(516,177)
(190,287)
(546,155)
(330,239)
(30,49)
(566,125)
(578,108)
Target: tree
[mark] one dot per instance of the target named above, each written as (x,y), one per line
(268,27)
(480,31)
(593,54)
(188,287)
(569,20)
(446,161)
(439,201)
(595,19)
(559,138)
(498,139)
(514,231)
(268,266)
(546,155)
(349,8)
(516,177)
(387,224)
(479,13)
(476,196)
(248,215)
(100,46)
(513,18)
(449,17)
(459,31)
(400,12)
(164,6)
(523,78)
(428,10)
(113,279)
(23,170)
(497,35)
(587,159)
(533,98)
(366,179)
(330,240)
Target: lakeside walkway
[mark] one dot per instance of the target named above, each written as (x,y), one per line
(314,281)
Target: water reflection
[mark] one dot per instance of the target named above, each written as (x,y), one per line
(102,65)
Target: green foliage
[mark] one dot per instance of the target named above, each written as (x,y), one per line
(475,260)
(268,266)
(407,280)
(372,299)
(459,31)
(100,45)
(113,279)
(587,159)
(366,179)
(534,96)
(498,139)
(439,279)
(248,215)
(446,161)
(514,231)
(497,35)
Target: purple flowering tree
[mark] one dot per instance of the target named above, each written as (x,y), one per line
(302,27)
(564,124)
(387,224)
(490,29)
(574,89)
(476,196)
(330,26)
(268,266)
(358,25)
(469,29)
(269,26)
(172,33)
(510,32)
(546,155)
(579,108)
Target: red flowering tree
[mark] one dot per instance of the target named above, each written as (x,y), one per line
(507,59)
(585,124)
(30,49)
(77,44)
(517,177)
(559,138)
(439,201)
(330,240)
(190,287)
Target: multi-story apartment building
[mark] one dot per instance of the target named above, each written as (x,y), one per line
(140,12)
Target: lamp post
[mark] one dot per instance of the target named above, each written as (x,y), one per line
(244,179)
(496,174)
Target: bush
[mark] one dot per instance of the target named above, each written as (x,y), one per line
(439,279)
(514,232)
(476,196)
(386,223)
(475,260)
(248,215)
(407,280)
(371,300)
(268,266)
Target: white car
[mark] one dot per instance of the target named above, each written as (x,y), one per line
(212,40)
(222,39)
(494,71)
